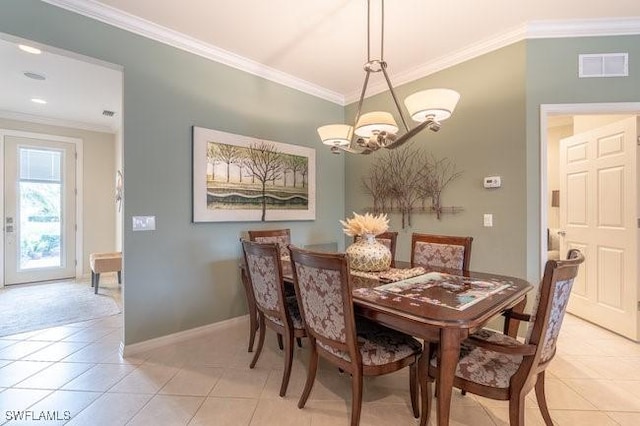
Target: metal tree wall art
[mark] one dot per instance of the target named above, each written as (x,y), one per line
(407,180)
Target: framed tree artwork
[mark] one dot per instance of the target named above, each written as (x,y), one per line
(240,178)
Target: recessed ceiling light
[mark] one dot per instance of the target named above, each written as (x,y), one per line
(30,49)
(38,101)
(34,75)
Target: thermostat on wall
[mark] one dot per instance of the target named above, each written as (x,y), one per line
(492,182)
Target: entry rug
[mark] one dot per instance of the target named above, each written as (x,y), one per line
(30,307)
(451,291)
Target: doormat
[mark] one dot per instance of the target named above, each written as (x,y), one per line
(31,307)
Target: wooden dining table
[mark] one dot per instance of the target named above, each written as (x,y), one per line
(445,314)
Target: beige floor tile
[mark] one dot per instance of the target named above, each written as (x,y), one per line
(612,368)
(500,415)
(99,378)
(573,418)
(278,412)
(55,351)
(19,399)
(63,405)
(167,410)
(560,396)
(21,349)
(110,409)
(22,336)
(329,413)
(571,367)
(193,380)
(18,371)
(240,383)
(625,419)
(93,352)
(5,342)
(54,376)
(55,333)
(607,395)
(148,378)
(225,412)
(87,335)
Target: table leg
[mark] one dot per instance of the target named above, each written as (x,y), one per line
(447,362)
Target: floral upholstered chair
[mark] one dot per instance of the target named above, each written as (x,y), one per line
(357,346)
(283,238)
(441,251)
(389,239)
(280,236)
(280,313)
(497,366)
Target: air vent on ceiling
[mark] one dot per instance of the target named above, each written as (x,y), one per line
(34,75)
(108,113)
(603,65)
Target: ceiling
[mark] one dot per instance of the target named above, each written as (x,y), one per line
(319,46)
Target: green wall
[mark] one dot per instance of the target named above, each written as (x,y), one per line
(185,275)
(552,78)
(484,137)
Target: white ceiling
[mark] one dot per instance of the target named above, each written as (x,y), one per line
(319,46)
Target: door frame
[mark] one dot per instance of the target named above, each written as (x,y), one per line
(78,183)
(546,110)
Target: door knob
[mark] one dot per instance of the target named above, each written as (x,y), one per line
(562,232)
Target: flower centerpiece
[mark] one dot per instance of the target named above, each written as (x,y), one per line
(366,253)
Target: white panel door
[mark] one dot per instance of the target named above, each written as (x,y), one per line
(40,206)
(598,215)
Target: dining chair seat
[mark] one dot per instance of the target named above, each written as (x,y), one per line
(484,366)
(378,345)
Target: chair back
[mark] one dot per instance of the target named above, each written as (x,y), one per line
(323,288)
(441,251)
(551,304)
(264,270)
(280,236)
(389,239)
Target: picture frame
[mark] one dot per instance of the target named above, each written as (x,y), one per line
(239,178)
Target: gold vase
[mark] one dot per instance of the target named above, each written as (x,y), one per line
(368,254)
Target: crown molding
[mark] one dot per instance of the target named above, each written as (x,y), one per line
(123,20)
(583,27)
(530,30)
(473,51)
(50,121)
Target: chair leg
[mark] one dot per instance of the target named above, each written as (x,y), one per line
(280,345)
(288,360)
(542,400)
(356,396)
(425,388)
(299,341)
(93,278)
(95,286)
(119,277)
(260,341)
(311,374)
(413,389)
(516,409)
(253,327)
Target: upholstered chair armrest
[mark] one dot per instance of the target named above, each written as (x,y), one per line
(515,348)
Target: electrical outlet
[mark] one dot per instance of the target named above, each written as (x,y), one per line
(492,182)
(488,219)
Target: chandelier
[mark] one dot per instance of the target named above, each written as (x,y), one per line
(378,129)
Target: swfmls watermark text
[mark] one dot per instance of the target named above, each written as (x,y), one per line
(37,416)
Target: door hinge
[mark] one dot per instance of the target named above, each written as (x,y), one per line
(76,227)
(76,262)
(639,222)
(75,155)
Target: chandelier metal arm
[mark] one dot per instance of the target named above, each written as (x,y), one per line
(362,93)
(393,95)
(428,123)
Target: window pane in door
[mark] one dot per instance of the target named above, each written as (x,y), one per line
(40,197)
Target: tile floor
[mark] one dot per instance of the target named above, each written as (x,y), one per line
(75,371)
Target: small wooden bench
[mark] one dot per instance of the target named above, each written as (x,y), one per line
(104,262)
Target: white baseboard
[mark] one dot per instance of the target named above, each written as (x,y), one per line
(181,336)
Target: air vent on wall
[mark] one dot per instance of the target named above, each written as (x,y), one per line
(603,65)
(108,113)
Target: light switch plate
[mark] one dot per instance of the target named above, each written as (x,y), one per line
(492,182)
(488,219)
(144,223)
